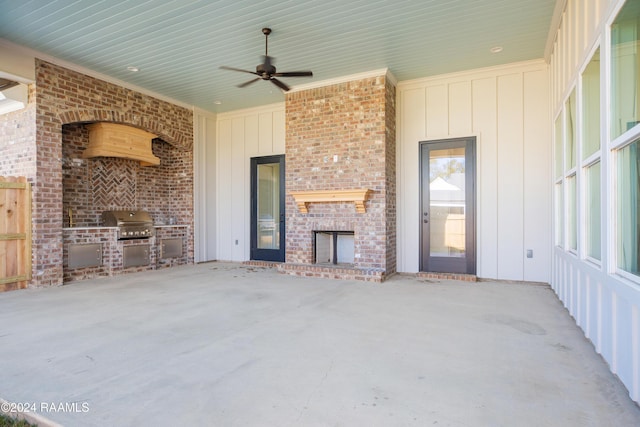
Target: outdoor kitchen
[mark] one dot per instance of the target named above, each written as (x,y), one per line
(117,192)
(114,183)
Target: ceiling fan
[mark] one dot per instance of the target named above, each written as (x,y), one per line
(266,70)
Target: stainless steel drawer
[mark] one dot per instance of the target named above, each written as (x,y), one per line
(82,255)
(171,248)
(136,255)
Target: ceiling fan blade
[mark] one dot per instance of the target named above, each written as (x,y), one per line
(294,74)
(249,82)
(280,84)
(224,67)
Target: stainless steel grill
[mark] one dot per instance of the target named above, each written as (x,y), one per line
(131,224)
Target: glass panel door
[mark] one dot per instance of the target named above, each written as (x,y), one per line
(448,206)
(447,202)
(267,208)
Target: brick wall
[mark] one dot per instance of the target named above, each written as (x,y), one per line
(354,121)
(18,140)
(65,97)
(91,186)
(390,176)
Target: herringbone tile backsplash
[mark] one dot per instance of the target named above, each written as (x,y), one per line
(114,183)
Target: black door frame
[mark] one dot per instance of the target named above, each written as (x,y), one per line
(466,265)
(256,253)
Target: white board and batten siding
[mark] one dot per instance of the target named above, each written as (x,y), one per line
(204,185)
(241,135)
(507,110)
(604,304)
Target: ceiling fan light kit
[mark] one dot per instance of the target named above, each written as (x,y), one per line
(266,70)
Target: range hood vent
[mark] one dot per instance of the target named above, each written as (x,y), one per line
(116,140)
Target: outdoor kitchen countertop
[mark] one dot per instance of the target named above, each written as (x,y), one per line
(115,228)
(89,228)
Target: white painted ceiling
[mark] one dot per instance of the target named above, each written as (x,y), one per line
(179,45)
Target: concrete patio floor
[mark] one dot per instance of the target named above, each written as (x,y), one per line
(223,344)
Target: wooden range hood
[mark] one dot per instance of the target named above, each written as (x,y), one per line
(116,140)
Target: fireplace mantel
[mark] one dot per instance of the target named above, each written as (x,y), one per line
(357,195)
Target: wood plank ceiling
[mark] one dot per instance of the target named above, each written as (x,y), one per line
(179,45)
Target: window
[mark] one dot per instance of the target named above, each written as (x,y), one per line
(591,107)
(558,153)
(628,204)
(568,213)
(559,215)
(592,211)
(572,215)
(570,129)
(590,146)
(625,97)
(625,72)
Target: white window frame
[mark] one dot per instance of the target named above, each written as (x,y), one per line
(571,172)
(585,164)
(559,180)
(612,149)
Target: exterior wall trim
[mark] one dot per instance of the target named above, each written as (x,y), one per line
(515,67)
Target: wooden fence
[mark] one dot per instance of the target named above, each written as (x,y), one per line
(15,233)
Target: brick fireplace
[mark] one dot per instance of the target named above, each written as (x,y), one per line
(342,137)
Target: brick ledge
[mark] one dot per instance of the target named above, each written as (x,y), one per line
(329,272)
(257,263)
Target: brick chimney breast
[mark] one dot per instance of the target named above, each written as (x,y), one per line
(342,137)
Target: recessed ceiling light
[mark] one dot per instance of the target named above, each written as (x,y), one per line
(133,69)
(217,102)
(496,49)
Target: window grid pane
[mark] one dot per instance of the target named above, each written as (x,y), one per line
(559,215)
(592,211)
(570,129)
(591,106)
(572,223)
(558,129)
(625,75)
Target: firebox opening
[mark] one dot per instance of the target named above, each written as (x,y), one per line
(334,247)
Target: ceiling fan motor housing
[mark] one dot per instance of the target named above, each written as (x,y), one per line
(266,70)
